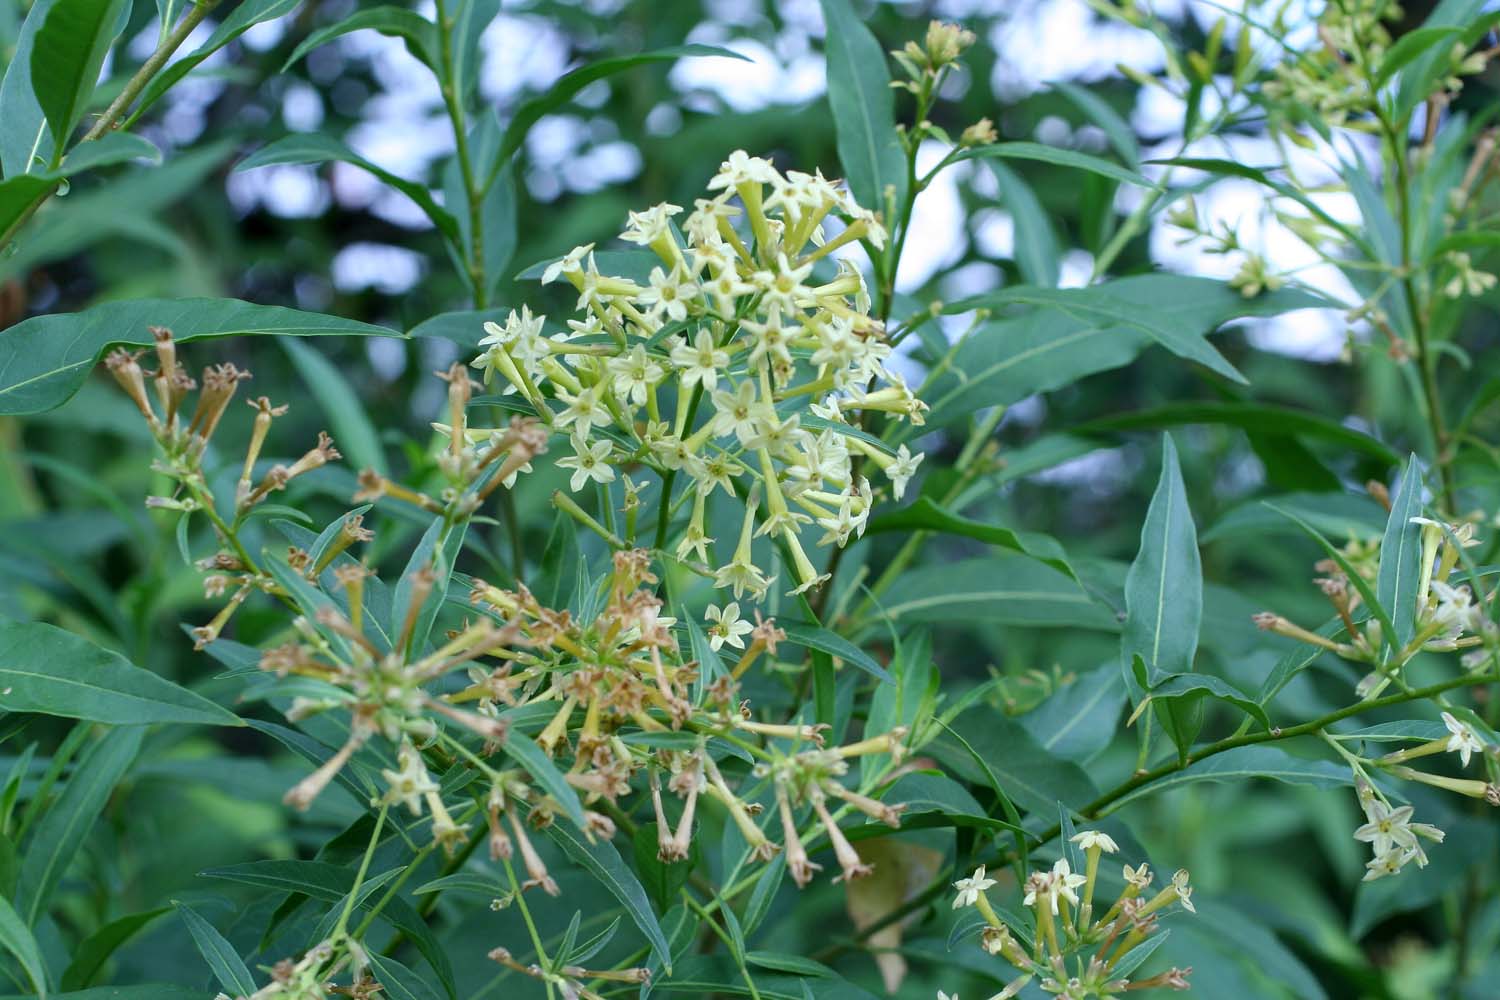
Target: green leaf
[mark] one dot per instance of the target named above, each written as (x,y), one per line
(228,968)
(314,147)
(926,515)
(1185,690)
(43,360)
(1002,589)
(107,150)
(1081,331)
(1035,779)
(25,142)
(1079,719)
(63,829)
(66,58)
(419,34)
(1164,588)
(796,965)
(662,879)
(1036,253)
(525,752)
(1120,133)
(1253,417)
(240,20)
(927,792)
(1057,157)
(603,863)
(1340,515)
(561,92)
(816,637)
(864,108)
(15,937)
(1366,592)
(1401,558)
(154,991)
(352,429)
(16,195)
(397,982)
(90,956)
(47,669)
(331,884)
(1246,762)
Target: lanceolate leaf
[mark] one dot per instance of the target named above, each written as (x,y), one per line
(819,638)
(228,968)
(1401,556)
(525,752)
(1057,157)
(1036,252)
(43,360)
(1164,589)
(62,830)
(350,423)
(926,515)
(416,31)
(1243,763)
(864,110)
(47,669)
(16,938)
(603,862)
(67,56)
(25,141)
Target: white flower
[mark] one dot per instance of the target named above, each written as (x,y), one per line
(652,224)
(946,996)
(668,293)
(1089,839)
(1065,880)
(742,575)
(634,374)
(1387,862)
(742,168)
(583,410)
(1463,740)
(727,626)
(901,469)
(571,264)
(589,462)
(1455,610)
(1184,891)
(970,888)
(1388,828)
(737,413)
(410,782)
(699,363)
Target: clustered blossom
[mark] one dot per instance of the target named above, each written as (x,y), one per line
(1103,951)
(736,363)
(183,437)
(1448,617)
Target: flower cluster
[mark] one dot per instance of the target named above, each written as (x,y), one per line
(183,437)
(1448,618)
(734,361)
(1103,950)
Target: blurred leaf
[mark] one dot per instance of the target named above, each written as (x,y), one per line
(96,949)
(16,195)
(1035,779)
(107,150)
(661,879)
(313,147)
(1341,515)
(561,92)
(864,109)
(1079,719)
(43,360)
(1057,157)
(397,982)
(247,15)
(47,669)
(524,751)
(66,58)
(603,862)
(227,966)
(352,429)
(1247,762)
(1257,417)
(926,515)
(419,34)
(1101,113)
(64,827)
(1401,558)
(15,937)
(995,590)
(1036,252)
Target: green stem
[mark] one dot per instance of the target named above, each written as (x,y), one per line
(364,868)
(474,253)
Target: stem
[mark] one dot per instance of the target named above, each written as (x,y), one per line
(120,104)
(364,868)
(1096,808)
(472,195)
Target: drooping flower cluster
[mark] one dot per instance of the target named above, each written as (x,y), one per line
(740,357)
(1102,951)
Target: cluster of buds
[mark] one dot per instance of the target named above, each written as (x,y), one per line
(926,65)
(1448,617)
(1395,841)
(311,976)
(1103,951)
(733,365)
(183,437)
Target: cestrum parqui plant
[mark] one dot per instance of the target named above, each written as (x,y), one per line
(1073,946)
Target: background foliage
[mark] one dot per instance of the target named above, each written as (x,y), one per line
(250,188)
